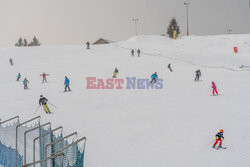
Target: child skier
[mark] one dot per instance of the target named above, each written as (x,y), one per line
(214,88)
(18,76)
(43,101)
(169,67)
(115,73)
(44,77)
(197,75)
(219,136)
(25,83)
(66,83)
(154,77)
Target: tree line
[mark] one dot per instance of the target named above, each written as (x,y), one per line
(23,42)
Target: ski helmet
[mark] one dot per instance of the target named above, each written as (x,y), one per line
(41,95)
(221,130)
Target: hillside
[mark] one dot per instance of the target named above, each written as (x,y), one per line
(174,126)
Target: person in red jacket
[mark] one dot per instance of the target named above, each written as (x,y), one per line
(214,88)
(44,77)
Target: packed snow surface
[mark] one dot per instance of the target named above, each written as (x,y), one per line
(174,126)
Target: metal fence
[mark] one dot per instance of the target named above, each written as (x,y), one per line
(45,149)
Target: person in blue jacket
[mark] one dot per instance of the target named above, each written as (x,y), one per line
(18,76)
(66,83)
(154,77)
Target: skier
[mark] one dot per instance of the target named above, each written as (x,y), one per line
(132,52)
(43,101)
(25,83)
(115,73)
(87,43)
(154,77)
(138,52)
(214,88)
(18,76)
(11,61)
(197,75)
(44,77)
(66,83)
(169,67)
(218,136)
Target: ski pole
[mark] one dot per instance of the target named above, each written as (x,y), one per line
(37,109)
(52,104)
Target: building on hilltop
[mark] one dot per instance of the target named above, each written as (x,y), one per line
(102,41)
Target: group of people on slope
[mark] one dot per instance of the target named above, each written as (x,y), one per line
(138,52)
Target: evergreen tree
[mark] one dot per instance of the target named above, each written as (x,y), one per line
(19,42)
(25,43)
(35,42)
(173,25)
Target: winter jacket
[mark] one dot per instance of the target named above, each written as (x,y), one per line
(169,65)
(154,76)
(25,82)
(19,75)
(116,70)
(43,101)
(219,135)
(198,73)
(214,86)
(66,82)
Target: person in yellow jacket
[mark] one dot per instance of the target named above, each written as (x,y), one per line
(115,73)
(43,101)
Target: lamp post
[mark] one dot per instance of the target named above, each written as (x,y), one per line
(187,4)
(135,20)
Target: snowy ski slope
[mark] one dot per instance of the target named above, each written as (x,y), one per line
(173,126)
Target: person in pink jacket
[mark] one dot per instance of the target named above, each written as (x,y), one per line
(214,88)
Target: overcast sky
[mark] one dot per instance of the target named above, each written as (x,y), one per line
(70,22)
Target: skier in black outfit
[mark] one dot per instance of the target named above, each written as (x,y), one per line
(132,52)
(87,43)
(43,101)
(197,75)
(169,67)
(138,52)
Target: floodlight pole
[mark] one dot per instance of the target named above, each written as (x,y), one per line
(187,4)
(135,20)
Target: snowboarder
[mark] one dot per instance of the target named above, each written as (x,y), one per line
(115,73)
(87,44)
(43,101)
(132,52)
(18,76)
(25,83)
(44,77)
(138,52)
(154,77)
(66,83)
(197,75)
(214,88)
(11,61)
(169,67)
(219,136)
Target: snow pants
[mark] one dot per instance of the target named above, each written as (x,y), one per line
(218,140)
(197,78)
(25,86)
(44,79)
(215,90)
(67,86)
(153,80)
(46,108)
